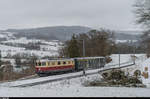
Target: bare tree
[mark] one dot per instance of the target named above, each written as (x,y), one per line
(142,12)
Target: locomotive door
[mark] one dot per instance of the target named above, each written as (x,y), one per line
(83,64)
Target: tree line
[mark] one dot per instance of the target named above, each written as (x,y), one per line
(97,43)
(94,43)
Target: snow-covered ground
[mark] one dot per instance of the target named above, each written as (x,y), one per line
(125,41)
(144,65)
(74,88)
(7,35)
(124,58)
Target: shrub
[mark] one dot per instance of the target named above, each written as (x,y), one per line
(116,75)
(116,78)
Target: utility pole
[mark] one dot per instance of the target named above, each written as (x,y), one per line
(0,58)
(83,48)
(134,53)
(83,43)
(119,57)
(119,54)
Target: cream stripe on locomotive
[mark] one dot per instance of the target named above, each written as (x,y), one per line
(53,63)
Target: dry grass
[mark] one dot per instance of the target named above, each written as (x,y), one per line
(8,75)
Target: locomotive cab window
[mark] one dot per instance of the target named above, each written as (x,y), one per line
(39,64)
(43,63)
(36,64)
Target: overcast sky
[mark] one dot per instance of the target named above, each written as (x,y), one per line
(111,14)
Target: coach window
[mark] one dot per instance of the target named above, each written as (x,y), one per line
(79,63)
(101,60)
(68,62)
(72,62)
(64,62)
(49,63)
(53,63)
(90,62)
(59,63)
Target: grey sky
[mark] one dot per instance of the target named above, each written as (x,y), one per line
(111,14)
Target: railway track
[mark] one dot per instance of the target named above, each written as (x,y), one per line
(52,80)
(69,76)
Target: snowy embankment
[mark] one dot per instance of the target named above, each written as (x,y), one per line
(48,79)
(145,66)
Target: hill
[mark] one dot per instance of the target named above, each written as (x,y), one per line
(50,33)
(64,33)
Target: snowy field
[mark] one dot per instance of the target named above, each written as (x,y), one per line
(124,58)
(10,46)
(74,88)
(52,50)
(125,41)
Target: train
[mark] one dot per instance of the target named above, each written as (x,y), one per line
(45,67)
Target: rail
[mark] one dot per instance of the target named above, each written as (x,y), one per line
(118,67)
(120,63)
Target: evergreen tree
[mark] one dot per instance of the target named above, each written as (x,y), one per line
(18,59)
(73,49)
